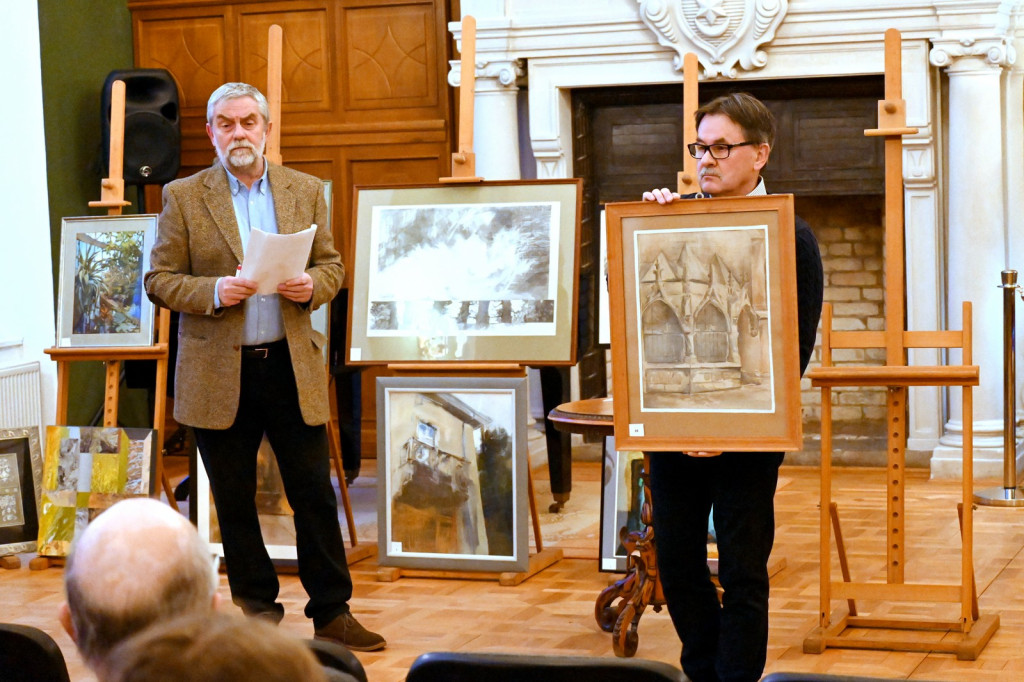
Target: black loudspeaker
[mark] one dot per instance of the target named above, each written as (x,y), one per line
(152,129)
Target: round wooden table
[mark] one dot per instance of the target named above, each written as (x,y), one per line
(589,417)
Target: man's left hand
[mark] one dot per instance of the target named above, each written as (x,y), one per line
(298,289)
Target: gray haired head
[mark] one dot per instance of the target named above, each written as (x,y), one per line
(234,91)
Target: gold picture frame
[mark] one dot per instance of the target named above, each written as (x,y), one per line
(705,351)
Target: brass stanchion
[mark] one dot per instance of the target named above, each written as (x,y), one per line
(1010,495)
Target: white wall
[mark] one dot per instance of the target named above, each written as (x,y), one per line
(26,279)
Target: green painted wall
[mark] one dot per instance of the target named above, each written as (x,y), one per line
(81,41)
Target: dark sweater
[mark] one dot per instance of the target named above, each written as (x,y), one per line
(810,286)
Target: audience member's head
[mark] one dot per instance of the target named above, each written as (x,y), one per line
(213,647)
(137,563)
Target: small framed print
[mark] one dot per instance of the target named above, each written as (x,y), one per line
(21,473)
(102,301)
(705,348)
(622,501)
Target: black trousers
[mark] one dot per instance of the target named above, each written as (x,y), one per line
(727,641)
(269,404)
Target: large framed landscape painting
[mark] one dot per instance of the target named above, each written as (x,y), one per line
(481,272)
(102,262)
(705,350)
(452,477)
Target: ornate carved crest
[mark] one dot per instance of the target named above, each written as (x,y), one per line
(720,32)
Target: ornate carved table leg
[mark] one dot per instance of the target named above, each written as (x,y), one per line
(637,590)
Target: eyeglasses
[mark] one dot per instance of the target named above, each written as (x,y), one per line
(718,151)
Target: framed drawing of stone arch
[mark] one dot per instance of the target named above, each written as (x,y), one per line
(705,351)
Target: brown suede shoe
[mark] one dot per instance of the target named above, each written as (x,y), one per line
(345,629)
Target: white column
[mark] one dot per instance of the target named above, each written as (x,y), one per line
(1014,139)
(924,229)
(977,240)
(496,122)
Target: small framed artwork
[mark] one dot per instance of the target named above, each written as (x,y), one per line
(277,522)
(87,469)
(481,272)
(452,478)
(102,262)
(705,351)
(622,499)
(21,473)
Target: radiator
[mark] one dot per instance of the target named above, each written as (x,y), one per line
(20,397)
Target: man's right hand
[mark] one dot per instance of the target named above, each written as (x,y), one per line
(234,290)
(662,195)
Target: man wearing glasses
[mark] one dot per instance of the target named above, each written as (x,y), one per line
(727,640)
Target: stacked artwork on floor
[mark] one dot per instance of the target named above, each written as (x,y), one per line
(86,470)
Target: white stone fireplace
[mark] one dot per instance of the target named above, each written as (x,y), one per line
(963,170)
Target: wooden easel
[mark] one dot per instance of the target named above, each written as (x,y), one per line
(275,38)
(686,181)
(464,171)
(112,198)
(970,632)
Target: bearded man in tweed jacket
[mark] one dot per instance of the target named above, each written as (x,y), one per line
(251,364)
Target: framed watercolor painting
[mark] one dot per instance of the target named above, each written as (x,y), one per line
(622,499)
(21,473)
(705,351)
(452,478)
(476,272)
(86,469)
(277,521)
(102,262)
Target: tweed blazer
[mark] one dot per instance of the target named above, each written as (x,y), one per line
(197,243)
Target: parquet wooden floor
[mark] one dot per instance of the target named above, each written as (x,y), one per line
(552,612)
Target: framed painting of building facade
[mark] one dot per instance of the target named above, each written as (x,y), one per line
(705,350)
(21,473)
(87,469)
(452,478)
(102,262)
(476,272)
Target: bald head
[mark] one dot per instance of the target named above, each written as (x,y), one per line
(138,562)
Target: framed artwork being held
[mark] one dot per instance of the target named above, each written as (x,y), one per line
(705,349)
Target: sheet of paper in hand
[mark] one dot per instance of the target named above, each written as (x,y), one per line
(274,258)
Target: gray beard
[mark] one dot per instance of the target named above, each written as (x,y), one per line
(229,160)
